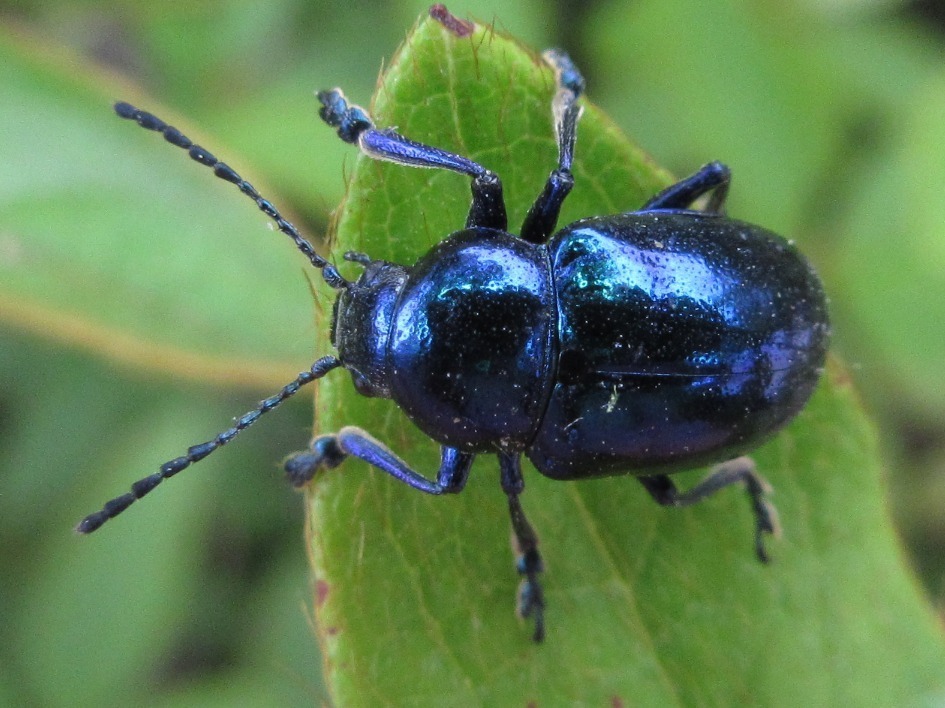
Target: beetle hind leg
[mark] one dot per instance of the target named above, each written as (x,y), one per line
(713,177)
(740,470)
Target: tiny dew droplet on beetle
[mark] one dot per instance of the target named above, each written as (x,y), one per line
(639,343)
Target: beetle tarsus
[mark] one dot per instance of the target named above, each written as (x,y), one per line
(531,597)
(323,453)
(350,120)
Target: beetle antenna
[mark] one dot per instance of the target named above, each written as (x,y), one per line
(197,452)
(225,172)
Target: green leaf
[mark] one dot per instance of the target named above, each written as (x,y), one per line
(116,241)
(415,595)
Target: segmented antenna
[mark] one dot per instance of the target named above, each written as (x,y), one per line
(172,135)
(197,452)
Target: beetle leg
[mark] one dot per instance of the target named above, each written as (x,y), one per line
(354,125)
(329,451)
(714,177)
(531,598)
(543,215)
(741,469)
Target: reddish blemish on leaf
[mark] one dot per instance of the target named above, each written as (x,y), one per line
(461,28)
(321,592)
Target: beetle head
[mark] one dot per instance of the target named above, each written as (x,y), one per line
(362,323)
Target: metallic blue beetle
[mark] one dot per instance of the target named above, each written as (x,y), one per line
(640,343)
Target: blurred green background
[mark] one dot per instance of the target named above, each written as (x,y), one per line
(831,115)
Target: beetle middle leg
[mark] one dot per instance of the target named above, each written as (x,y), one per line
(739,470)
(531,598)
(543,215)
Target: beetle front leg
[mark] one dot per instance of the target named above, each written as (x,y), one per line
(329,451)
(355,125)
(531,598)
(741,469)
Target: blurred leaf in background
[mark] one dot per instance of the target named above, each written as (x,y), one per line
(143,303)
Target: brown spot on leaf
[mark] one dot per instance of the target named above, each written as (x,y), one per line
(461,28)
